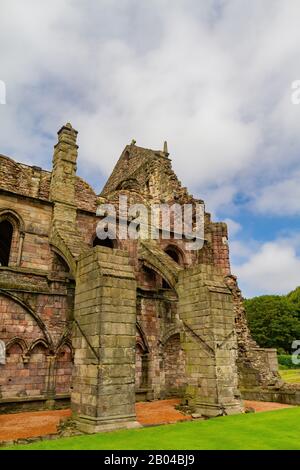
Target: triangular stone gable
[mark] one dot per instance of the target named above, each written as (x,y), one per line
(149,173)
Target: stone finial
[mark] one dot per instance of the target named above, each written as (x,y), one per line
(133,142)
(67,132)
(166,148)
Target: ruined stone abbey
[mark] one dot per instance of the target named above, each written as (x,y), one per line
(105,323)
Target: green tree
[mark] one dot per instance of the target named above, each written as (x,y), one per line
(294,298)
(273,321)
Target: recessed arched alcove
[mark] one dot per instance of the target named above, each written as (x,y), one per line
(175,254)
(107,242)
(6,234)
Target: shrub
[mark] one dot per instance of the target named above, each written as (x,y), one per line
(285,360)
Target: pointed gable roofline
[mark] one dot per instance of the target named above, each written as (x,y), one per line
(132,159)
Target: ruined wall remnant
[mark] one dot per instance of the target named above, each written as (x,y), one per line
(103,395)
(138,320)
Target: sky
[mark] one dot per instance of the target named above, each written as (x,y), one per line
(212,77)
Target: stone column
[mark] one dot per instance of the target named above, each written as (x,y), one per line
(103,395)
(63,177)
(209,340)
(50,382)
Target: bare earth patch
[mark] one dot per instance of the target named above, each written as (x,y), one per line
(30,424)
(265,405)
(41,423)
(159,412)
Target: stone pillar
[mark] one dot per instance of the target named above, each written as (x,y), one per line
(209,340)
(50,382)
(62,187)
(103,395)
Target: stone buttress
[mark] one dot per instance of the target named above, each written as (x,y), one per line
(103,395)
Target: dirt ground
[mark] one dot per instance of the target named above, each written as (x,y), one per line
(159,412)
(40,423)
(265,405)
(30,424)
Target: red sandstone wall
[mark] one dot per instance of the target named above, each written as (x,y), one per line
(220,246)
(36,309)
(27,371)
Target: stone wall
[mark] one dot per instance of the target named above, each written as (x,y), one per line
(36,294)
(38,359)
(256,365)
(103,394)
(175,367)
(206,309)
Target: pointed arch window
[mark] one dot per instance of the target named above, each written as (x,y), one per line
(6,235)
(11,238)
(174,253)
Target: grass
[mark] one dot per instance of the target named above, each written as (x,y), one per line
(268,430)
(290,375)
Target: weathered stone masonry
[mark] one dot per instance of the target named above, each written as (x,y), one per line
(104,340)
(108,325)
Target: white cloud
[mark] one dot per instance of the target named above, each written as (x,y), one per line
(240,251)
(233,227)
(269,268)
(281,198)
(213,78)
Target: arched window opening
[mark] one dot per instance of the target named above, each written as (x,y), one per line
(165,284)
(174,253)
(59,265)
(174,367)
(107,242)
(6,233)
(149,277)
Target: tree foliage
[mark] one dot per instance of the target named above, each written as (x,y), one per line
(274,320)
(294,297)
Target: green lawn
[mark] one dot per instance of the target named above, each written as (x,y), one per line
(290,375)
(269,430)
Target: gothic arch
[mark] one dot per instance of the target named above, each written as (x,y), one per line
(31,312)
(107,242)
(39,342)
(63,366)
(130,184)
(143,343)
(175,330)
(14,218)
(62,343)
(61,255)
(174,364)
(58,243)
(141,358)
(156,259)
(12,236)
(175,253)
(17,340)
